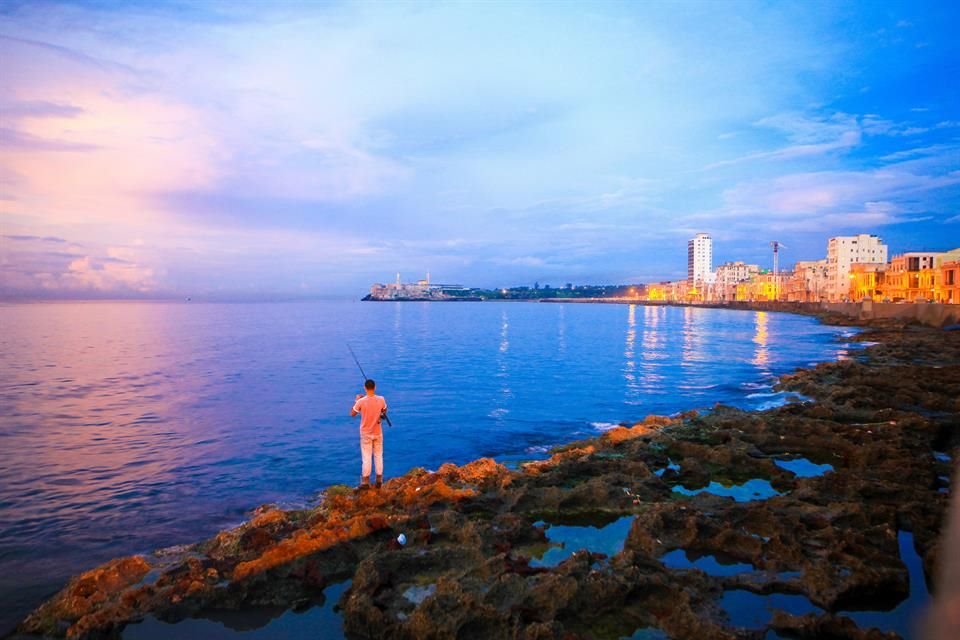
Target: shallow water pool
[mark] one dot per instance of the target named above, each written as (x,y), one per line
(607,539)
(251,624)
(753,489)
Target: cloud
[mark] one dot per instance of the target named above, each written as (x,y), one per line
(524,261)
(34,239)
(268,147)
(42,266)
(809,136)
(817,135)
(913,187)
(828,192)
(11,139)
(67,53)
(875,125)
(811,130)
(935,150)
(38,109)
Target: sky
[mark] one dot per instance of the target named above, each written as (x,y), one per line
(256,150)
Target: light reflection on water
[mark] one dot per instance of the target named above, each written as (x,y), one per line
(132,426)
(629,355)
(653,351)
(761,338)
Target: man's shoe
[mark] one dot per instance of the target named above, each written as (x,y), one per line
(364,483)
(379,481)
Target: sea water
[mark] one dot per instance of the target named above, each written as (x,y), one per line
(130,426)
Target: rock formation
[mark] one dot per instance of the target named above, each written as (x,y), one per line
(468,568)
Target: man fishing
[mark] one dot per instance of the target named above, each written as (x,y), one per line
(371,408)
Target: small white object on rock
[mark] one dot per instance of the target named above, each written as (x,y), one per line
(402,539)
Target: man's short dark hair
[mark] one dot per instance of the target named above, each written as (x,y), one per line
(369,384)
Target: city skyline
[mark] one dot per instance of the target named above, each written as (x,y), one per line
(297,149)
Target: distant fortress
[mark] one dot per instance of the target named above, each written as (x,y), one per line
(419,290)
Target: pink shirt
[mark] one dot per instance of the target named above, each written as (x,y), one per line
(369,408)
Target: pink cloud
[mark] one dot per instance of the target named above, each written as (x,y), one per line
(32,264)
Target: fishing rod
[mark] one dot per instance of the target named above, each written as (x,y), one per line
(383,414)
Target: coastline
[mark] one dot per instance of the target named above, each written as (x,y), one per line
(934,315)
(473,530)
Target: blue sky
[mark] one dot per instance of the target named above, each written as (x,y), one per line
(305,149)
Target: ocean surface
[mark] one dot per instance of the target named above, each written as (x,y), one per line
(131,426)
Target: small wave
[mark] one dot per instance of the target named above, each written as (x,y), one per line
(777,400)
(539,448)
(604,426)
(698,387)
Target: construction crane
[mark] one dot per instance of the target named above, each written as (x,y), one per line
(776,267)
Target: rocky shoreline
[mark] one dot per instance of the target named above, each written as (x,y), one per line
(799,521)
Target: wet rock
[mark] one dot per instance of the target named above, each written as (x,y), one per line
(85,596)
(471,531)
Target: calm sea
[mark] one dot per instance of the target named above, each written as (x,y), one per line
(126,427)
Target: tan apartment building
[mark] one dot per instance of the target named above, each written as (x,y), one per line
(947,286)
(729,275)
(808,283)
(867,281)
(762,287)
(910,277)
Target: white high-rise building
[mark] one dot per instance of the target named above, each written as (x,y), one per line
(700,258)
(843,251)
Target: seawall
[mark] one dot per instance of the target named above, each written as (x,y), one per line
(928,314)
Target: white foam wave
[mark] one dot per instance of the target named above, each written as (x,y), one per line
(604,426)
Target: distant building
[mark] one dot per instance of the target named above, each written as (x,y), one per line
(843,251)
(677,291)
(420,290)
(699,259)
(729,275)
(911,276)
(808,283)
(947,286)
(949,256)
(867,281)
(762,287)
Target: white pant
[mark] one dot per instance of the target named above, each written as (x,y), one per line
(371,446)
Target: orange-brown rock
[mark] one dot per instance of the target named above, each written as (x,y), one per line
(661,421)
(622,434)
(91,590)
(572,453)
(272,518)
(472,531)
(484,473)
(302,544)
